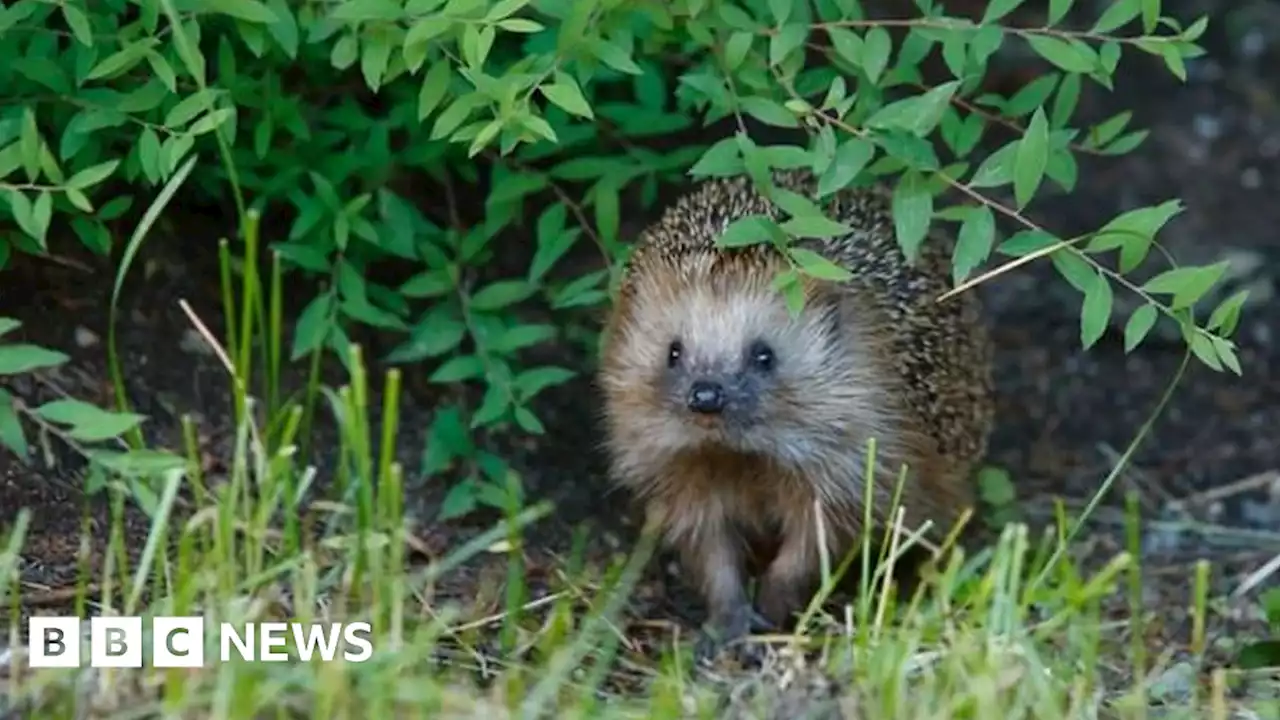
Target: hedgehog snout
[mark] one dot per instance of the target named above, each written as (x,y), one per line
(706,397)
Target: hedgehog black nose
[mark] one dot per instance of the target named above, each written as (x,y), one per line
(706,397)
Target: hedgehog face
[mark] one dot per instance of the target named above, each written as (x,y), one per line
(727,364)
(720,389)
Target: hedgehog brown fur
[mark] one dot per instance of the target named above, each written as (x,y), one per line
(728,417)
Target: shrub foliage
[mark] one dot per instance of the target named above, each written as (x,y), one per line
(333,115)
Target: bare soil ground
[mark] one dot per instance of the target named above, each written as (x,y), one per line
(1065,414)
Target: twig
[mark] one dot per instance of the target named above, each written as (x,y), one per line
(1256,578)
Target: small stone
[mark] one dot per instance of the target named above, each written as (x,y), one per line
(1207,126)
(1253,44)
(85,337)
(1175,684)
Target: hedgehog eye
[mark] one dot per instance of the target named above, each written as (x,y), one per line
(673,353)
(762,357)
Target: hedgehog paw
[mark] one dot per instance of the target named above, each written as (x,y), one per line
(727,637)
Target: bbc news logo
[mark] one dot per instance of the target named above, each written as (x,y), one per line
(179,642)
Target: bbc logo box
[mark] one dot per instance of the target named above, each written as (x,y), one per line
(178,642)
(115,642)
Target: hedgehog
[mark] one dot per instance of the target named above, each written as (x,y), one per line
(742,427)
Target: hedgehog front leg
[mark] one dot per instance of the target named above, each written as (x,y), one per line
(789,581)
(714,556)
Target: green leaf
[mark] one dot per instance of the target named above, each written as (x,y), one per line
(607,212)
(29,144)
(815,226)
(374,61)
(434,87)
(447,438)
(91,176)
(1031,160)
(78,22)
(996,486)
(580,291)
(748,230)
(419,36)
(454,115)
(533,381)
(461,500)
(788,284)
(211,121)
(249,10)
(1202,347)
(521,25)
(528,421)
(138,463)
(1186,284)
(80,200)
(1138,226)
(912,210)
(722,159)
(736,49)
(502,293)
(997,168)
(188,108)
(366,10)
(876,48)
(521,337)
(918,115)
(515,186)
(1073,268)
(811,263)
(1064,103)
(1226,316)
(23,358)
(11,434)
(973,245)
(163,70)
(1227,353)
(313,325)
(1095,313)
(1126,143)
(850,159)
(41,216)
(88,422)
(615,57)
(566,93)
(786,41)
(119,62)
(1174,62)
(1139,324)
(554,240)
(997,9)
(769,112)
(1057,10)
(847,45)
(504,9)
(781,11)
(1119,13)
(8,325)
(432,339)
(1061,53)
(458,368)
(1193,33)
(1259,655)
(429,284)
(20,206)
(493,406)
